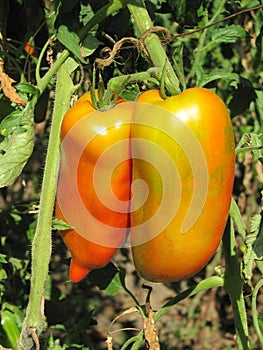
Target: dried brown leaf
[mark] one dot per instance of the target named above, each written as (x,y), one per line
(8,90)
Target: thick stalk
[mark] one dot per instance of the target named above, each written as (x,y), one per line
(153,45)
(34,322)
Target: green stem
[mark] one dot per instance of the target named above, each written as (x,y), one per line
(208,283)
(254,310)
(136,340)
(153,45)
(98,17)
(34,322)
(101,14)
(233,282)
(201,40)
(152,74)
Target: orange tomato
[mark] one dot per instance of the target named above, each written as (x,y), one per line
(85,135)
(194,130)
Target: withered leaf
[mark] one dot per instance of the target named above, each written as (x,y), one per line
(8,90)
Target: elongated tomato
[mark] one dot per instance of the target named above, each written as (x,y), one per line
(93,176)
(189,145)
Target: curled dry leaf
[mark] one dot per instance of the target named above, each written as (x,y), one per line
(6,85)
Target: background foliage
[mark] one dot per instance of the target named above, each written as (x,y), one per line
(208,47)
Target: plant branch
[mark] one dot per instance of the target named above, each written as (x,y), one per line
(34,322)
(254,310)
(98,17)
(153,44)
(208,283)
(233,282)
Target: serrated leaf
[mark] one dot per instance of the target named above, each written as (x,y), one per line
(86,13)
(256,141)
(216,75)
(254,243)
(15,149)
(10,122)
(71,41)
(228,34)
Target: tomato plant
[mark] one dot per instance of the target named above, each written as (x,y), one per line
(49,50)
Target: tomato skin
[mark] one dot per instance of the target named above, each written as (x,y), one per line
(90,254)
(173,255)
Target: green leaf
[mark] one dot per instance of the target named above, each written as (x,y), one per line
(256,142)
(27,89)
(58,224)
(216,75)
(3,259)
(228,34)
(3,274)
(208,283)
(15,149)
(109,278)
(254,243)
(237,219)
(11,321)
(116,284)
(86,13)
(10,122)
(71,41)
(89,45)
(72,64)
(224,35)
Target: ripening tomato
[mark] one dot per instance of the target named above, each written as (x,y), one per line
(85,134)
(194,130)
(182,148)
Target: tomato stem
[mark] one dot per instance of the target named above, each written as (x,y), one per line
(254,311)
(233,283)
(153,45)
(41,245)
(107,10)
(201,40)
(151,75)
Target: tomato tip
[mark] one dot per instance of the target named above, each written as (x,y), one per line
(77,272)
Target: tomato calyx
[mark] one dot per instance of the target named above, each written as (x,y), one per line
(105,99)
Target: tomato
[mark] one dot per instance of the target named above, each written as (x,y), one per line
(29,49)
(161,170)
(194,131)
(83,140)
